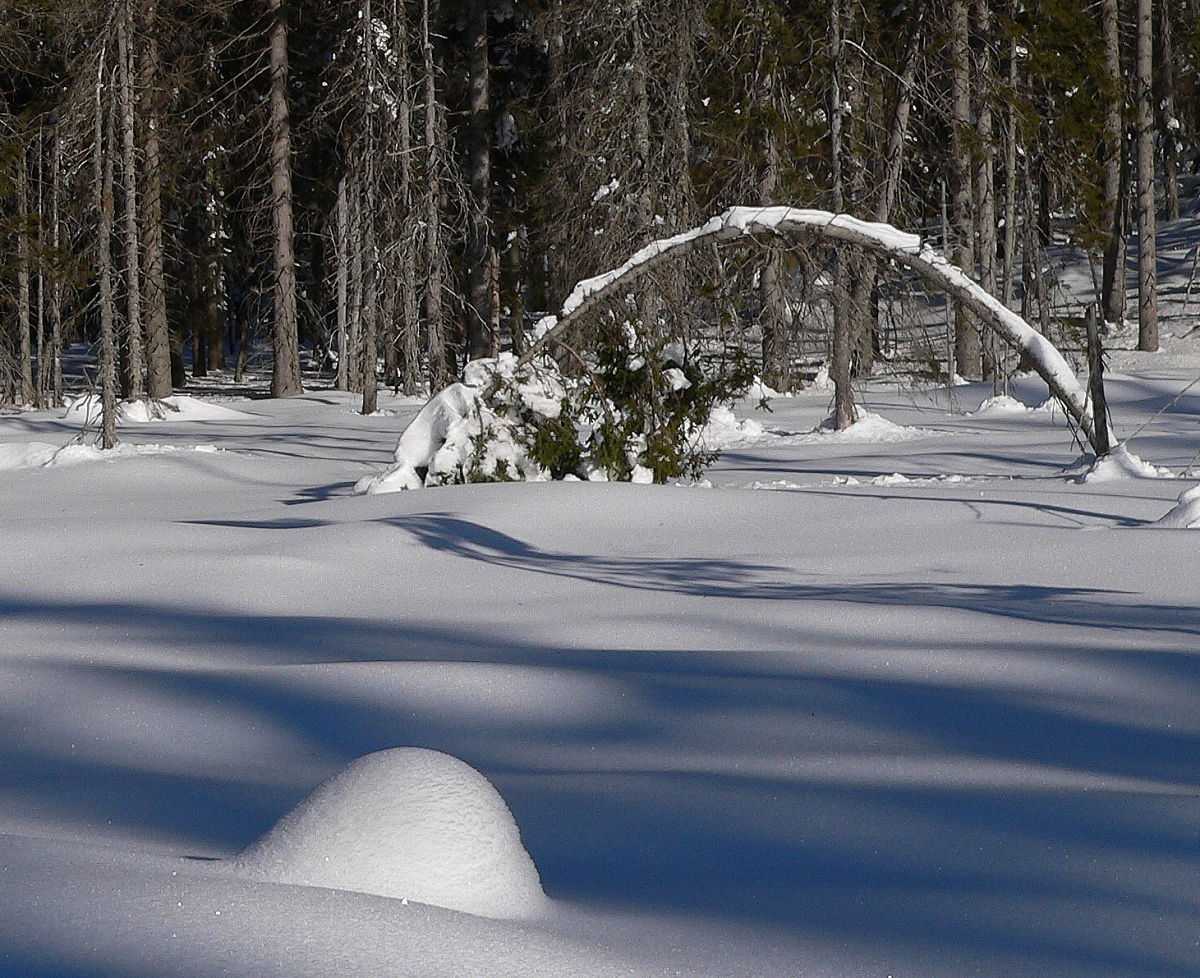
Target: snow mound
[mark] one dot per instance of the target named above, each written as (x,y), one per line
(1121,463)
(408,823)
(871,429)
(724,430)
(1002,404)
(177,407)
(27,455)
(1186,513)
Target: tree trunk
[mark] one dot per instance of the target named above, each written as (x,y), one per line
(985,180)
(481,331)
(893,155)
(843,398)
(56,284)
(439,370)
(24,320)
(410,338)
(1113,221)
(776,355)
(342,249)
(133,283)
(102,173)
(1010,180)
(1147,248)
(285,373)
(966,333)
(1169,122)
(368,326)
(159,372)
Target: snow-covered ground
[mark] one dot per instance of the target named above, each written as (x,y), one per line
(917,701)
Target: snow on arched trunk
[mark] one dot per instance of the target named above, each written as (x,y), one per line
(882,239)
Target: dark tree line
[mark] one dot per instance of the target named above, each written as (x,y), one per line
(382,189)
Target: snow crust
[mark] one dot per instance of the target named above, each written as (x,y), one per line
(407,823)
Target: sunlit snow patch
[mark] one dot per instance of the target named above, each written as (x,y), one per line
(871,429)
(35,454)
(724,430)
(408,823)
(177,407)
(1186,513)
(1121,463)
(1005,404)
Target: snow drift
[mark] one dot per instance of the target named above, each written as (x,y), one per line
(408,823)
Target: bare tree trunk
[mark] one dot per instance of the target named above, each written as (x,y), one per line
(133,284)
(158,341)
(966,334)
(641,121)
(102,172)
(285,374)
(1010,180)
(1113,222)
(893,155)
(341,249)
(776,356)
(368,354)
(1166,102)
(1147,249)
(56,284)
(439,370)
(39,168)
(410,349)
(985,180)
(843,398)
(24,321)
(354,328)
(481,331)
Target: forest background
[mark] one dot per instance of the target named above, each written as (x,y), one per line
(380,190)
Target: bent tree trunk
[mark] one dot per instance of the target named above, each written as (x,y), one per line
(879,239)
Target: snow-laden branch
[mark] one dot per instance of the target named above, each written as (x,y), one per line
(882,239)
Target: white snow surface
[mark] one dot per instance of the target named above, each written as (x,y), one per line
(931,709)
(1186,513)
(408,823)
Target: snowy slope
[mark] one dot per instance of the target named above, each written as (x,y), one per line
(917,701)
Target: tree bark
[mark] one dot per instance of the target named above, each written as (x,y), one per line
(102,173)
(839,368)
(1169,122)
(966,334)
(893,155)
(985,179)
(285,373)
(368,327)
(133,283)
(24,256)
(1113,221)
(776,356)
(481,331)
(410,339)
(1147,247)
(154,290)
(439,368)
(56,283)
(341,250)
(1010,180)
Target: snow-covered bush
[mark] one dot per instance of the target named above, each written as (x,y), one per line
(627,410)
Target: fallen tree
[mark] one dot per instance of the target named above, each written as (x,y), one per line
(520,418)
(881,239)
